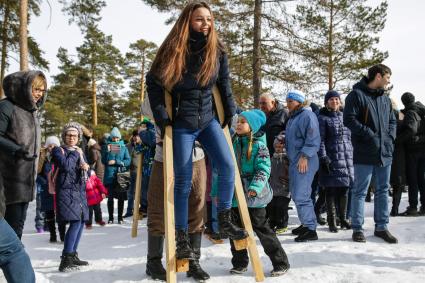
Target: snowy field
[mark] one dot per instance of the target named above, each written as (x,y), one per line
(116,257)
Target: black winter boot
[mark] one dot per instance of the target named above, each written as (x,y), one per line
(62,230)
(120,210)
(344,223)
(320,220)
(67,263)
(308,235)
(77,260)
(154,266)
(195,270)
(331,211)
(52,229)
(397,191)
(111,212)
(226,227)
(299,230)
(183,248)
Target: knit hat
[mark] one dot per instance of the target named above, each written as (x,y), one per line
(407,98)
(296,95)
(91,142)
(115,133)
(52,140)
(330,94)
(256,119)
(72,126)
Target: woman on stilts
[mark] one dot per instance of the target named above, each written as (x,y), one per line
(188,64)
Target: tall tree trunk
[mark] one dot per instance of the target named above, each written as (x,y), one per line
(256,56)
(330,49)
(23,34)
(93,90)
(5,41)
(142,82)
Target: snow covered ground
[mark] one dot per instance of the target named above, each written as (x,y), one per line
(116,257)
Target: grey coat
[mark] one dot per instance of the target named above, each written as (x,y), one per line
(19,129)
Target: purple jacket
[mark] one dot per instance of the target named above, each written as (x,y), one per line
(335,149)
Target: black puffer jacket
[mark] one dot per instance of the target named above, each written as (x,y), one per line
(412,129)
(274,125)
(369,116)
(19,129)
(2,200)
(192,103)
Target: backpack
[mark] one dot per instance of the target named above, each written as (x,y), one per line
(51,178)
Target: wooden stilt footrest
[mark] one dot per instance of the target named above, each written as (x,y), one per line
(182,265)
(241,244)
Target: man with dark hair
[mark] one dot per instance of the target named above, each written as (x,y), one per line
(369,116)
(412,136)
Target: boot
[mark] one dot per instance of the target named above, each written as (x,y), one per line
(344,223)
(320,220)
(308,235)
(226,227)
(397,191)
(331,211)
(111,212)
(183,248)
(67,263)
(78,261)
(62,230)
(195,270)
(120,210)
(52,229)
(154,266)
(299,230)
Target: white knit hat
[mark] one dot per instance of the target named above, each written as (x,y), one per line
(91,142)
(52,140)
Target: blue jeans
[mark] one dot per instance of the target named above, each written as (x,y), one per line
(213,141)
(73,236)
(362,177)
(14,261)
(130,192)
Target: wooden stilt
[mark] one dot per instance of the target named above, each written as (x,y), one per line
(243,208)
(170,242)
(182,265)
(137,193)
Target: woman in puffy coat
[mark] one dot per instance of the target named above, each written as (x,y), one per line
(70,188)
(302,144)
(115,157)
(336,172)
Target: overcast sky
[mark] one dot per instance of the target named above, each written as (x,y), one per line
(130,20)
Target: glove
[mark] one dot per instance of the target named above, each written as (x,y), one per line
(25,155)
(324,165)
(162,125)
(227,122)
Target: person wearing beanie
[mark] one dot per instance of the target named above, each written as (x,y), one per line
(116,159)
(336,171)
(70,169)
(253,160)
(302,142)
(410,135)
(369,116)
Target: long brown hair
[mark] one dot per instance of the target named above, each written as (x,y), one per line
(170,60)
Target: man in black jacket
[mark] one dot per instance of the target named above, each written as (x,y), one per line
(20,142)
(14,261)
(412,136)
(369,116)
(276,117)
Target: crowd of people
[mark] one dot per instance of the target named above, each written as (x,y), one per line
(295,152)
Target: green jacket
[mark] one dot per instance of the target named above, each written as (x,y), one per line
(256,170)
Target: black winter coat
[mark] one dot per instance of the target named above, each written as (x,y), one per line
(274,125)
(335,151)
(19,129)
(192,103)
(2,200)
(71,201)
(369,116)
(412,129)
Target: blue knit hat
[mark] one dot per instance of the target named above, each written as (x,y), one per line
(256,119)
(296,95)
(115,133)
(330,94)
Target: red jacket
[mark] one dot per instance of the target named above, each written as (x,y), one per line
(94,190)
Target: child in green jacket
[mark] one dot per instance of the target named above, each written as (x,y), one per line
(253,160)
